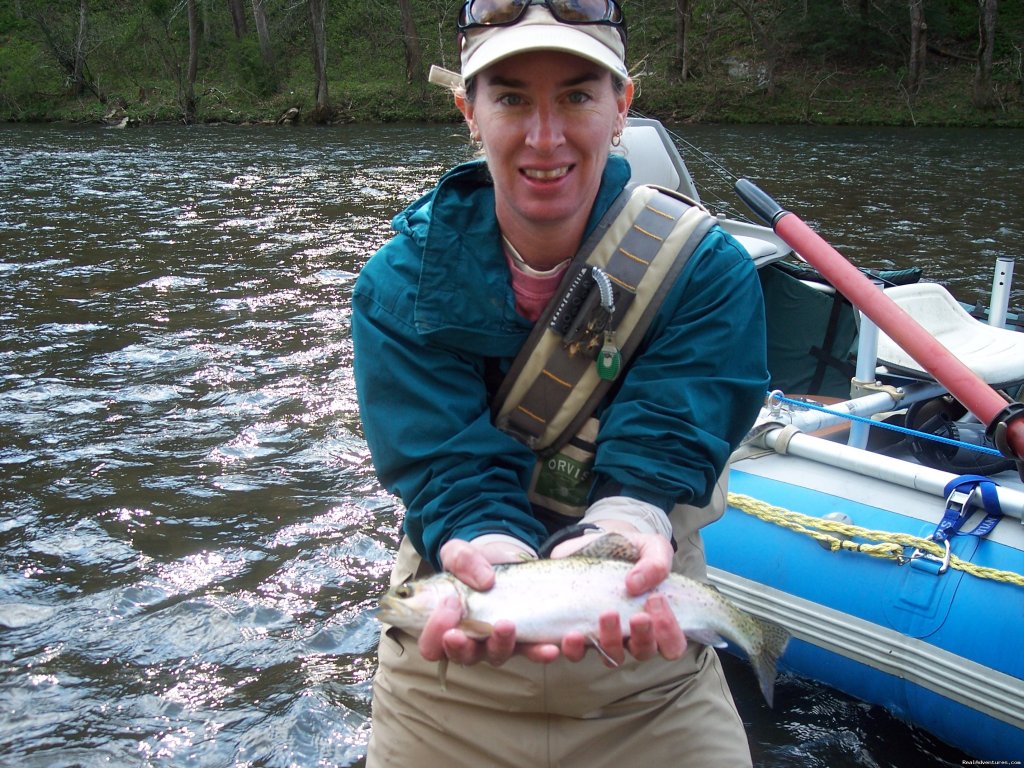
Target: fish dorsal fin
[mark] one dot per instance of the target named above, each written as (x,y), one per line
(611,546)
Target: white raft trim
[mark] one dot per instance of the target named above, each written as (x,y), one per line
(974,685)
(885,468)
(958,679)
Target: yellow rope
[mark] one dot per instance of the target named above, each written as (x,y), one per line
(891,545)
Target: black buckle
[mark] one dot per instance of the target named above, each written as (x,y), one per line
(999,428)
(569,532)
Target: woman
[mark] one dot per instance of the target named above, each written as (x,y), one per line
(450,300)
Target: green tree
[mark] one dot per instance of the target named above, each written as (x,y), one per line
(263,33)
(411,43)
(237,18)
(984,94)
(681,57)
(188,96)
(65,33)
(918,47)
(764,18)
(236,59)
(318,25)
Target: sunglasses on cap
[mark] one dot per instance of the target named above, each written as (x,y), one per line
(502,13)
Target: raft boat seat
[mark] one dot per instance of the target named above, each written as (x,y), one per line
(654,159)
(994,354)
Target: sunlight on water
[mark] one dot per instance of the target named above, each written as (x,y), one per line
(193,535)
(193,538)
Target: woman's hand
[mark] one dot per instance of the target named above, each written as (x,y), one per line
(652,632)
(473,564)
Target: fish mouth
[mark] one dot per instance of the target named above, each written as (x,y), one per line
(396,612)
(390,612)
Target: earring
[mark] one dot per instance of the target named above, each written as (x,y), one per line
(617,138)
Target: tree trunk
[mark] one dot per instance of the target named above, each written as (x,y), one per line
(204,12)
(682,52)
(984,93)
(70,54)
(78,85)
(318,17)
(918,47)
(413,51)
(266,50)
(237,18)
(189,107)
(763,17)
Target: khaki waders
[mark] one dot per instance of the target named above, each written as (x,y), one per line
(655,713)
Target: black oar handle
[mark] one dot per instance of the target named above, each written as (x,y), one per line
(760,202)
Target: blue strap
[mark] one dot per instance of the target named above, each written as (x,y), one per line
(953,518)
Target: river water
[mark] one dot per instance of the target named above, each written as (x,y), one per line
(192,537)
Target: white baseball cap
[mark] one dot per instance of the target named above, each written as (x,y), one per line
(538,30)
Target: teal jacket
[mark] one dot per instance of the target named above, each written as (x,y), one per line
(434,310)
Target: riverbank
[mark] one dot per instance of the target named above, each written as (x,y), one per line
(800,96)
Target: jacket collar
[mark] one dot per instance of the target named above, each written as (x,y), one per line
(464,290)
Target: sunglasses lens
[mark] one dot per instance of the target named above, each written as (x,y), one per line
(493,12)
(583,10)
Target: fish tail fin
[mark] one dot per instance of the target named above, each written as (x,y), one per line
(774,641)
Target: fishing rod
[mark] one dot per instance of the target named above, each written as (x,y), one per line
(1004,420)
(722,202)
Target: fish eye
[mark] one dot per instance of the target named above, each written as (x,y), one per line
(403,591)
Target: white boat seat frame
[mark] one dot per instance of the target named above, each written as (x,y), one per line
(654,159)
(994,354)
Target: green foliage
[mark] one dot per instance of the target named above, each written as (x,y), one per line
(831,60)
(12,21)
(856,41)
(23,67)
(160,9)
(1010,41)
(248,69)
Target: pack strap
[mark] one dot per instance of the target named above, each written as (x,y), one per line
(640,247)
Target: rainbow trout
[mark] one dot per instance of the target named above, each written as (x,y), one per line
(546,599)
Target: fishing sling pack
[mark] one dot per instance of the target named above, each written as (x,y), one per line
(587,334)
